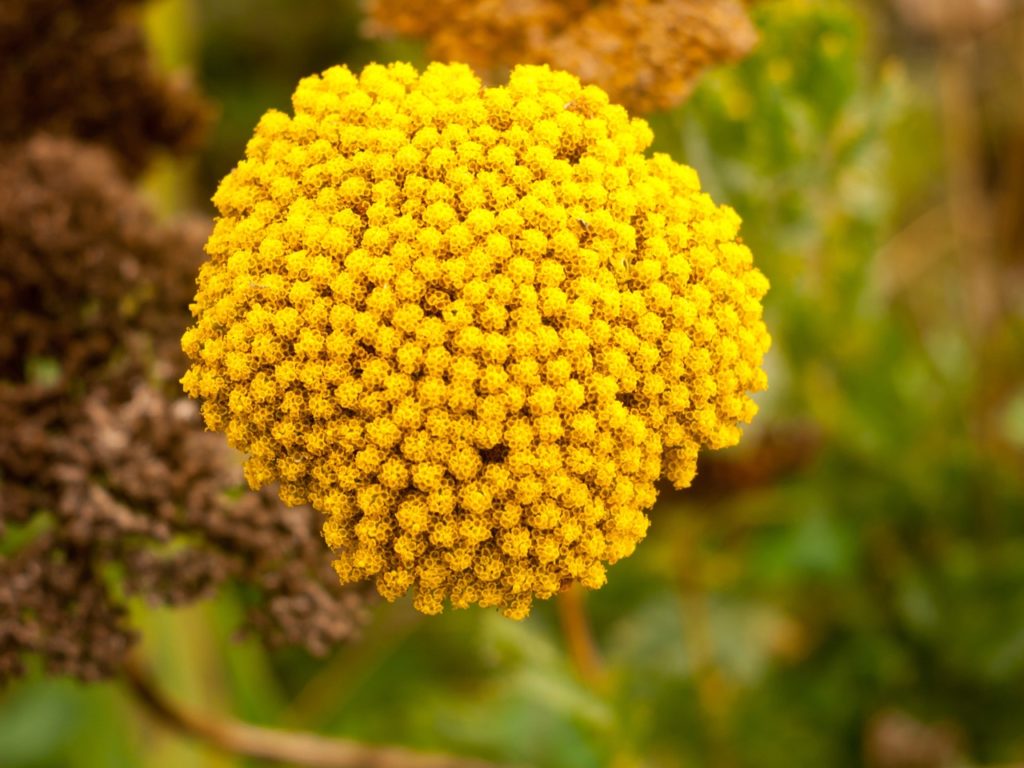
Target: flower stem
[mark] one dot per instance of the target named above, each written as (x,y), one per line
(582,649)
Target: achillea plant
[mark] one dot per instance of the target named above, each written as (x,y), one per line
(104,468)
(646,54)
(473,326)
(82,68)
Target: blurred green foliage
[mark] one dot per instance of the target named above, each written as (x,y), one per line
(771,624)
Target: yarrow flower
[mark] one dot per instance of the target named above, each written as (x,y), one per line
(84,70)
(109,486)
(472,326)
(646,54)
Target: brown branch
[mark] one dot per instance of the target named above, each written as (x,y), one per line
(292,747)
(970,206)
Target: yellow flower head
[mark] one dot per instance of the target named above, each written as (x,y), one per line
(473,326)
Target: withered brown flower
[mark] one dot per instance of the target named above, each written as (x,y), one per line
(109,486)
(646,54)
(81,68)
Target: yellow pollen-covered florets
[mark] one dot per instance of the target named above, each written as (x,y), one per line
(473,326)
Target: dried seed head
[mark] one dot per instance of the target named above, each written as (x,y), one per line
(103,466)
(646,54)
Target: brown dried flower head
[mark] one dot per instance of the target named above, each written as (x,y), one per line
(646,54)
(102,464)
(81,68)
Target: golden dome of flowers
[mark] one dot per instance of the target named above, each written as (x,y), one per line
(473,326)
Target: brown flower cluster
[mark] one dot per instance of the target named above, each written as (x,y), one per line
(646,54)
(88,279)
(101,465)
(81,68)
(109,485)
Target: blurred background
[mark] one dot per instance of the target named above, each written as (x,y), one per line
(844,588)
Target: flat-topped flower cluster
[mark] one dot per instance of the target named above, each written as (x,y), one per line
(646,54)
(473,326)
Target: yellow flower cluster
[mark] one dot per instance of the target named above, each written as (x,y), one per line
(473,326)
(646,54)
